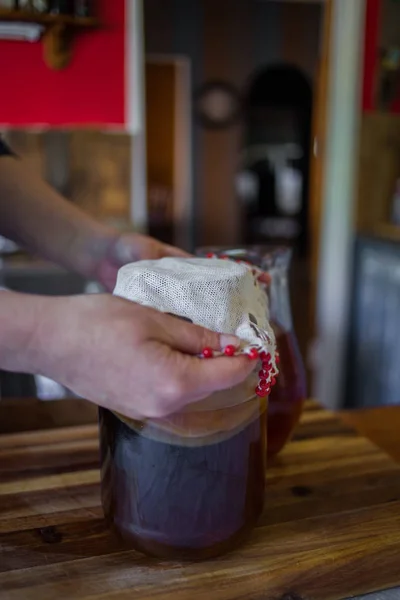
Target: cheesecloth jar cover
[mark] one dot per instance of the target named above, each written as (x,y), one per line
(221,295)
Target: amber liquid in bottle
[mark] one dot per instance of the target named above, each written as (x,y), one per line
(285,403)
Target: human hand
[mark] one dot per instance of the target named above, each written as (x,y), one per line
(132,359)
(126,248)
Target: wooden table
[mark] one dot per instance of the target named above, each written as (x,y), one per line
(331,527)
(380,425)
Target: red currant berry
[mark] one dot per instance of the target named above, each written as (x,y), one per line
(229,350)
(207,353)
(253,354)
(261,393)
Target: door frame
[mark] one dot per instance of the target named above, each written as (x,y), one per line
(337,199)
(318,152)
(183,204)
(135,112)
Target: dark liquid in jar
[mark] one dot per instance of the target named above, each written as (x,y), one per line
(182,501)
(285,403)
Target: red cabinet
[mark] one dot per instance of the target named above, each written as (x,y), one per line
(90,91)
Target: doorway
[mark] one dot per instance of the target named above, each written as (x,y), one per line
(275,173)
(169,149)
(275,157)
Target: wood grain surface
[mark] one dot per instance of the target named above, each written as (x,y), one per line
(379,425)
(330,529)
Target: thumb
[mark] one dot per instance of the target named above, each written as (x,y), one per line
(172,251)
(192,339)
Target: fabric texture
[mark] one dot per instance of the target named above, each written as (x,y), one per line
(221,295)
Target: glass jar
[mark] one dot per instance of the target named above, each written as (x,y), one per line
(190,486)
(287,397)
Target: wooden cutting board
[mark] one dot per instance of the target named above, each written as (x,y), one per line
(331,526)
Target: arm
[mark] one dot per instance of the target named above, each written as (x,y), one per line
(41,220)
(108,350)
(19,317)
(38,218)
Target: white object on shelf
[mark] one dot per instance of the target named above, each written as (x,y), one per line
(289,188)
(40,6)
(28,32)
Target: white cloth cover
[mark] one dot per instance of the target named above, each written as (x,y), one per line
(221,295)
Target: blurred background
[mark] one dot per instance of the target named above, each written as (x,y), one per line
(226,123)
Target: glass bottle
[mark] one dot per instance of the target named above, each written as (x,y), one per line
(287,397)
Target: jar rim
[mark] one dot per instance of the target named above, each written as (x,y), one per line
(263,255)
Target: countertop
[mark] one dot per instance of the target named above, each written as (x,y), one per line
(381,426)
(331,528)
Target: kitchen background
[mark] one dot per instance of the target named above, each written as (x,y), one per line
(232,100)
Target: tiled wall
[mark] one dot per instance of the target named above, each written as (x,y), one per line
(92,168)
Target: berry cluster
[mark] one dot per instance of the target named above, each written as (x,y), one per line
(267,374)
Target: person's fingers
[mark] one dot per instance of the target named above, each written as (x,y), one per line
(193,339)
(176,252)
(202,377)
(130,247)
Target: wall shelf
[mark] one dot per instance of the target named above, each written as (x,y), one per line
(58,35)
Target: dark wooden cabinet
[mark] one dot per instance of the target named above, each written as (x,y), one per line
(373,362)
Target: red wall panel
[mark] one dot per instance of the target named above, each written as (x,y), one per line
(371,42)
(89,92)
